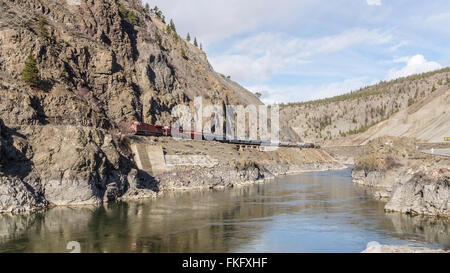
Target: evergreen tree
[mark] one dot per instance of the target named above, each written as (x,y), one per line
(147,8)
(195,42)
(201,47)
(188,37)
(172,26)
(30,72)
(168,29)
(42,27)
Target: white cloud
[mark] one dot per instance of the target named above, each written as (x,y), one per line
(398,46)
(259,57)
(414,65)
(438,18)
(374,2)
(298,93)
(212,21)
(437,22)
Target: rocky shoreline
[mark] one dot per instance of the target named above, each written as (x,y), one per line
(400,249)
(44,166)
(140,186)
(411,182)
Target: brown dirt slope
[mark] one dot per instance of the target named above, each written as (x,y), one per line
(428,121)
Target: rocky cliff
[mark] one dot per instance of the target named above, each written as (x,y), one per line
(70,73)
(98,64)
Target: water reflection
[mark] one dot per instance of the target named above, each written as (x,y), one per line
(316,212)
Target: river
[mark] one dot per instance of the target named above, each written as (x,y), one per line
(310,212)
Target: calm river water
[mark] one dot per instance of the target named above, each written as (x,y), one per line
(311,212)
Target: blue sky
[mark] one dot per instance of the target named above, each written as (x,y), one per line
(297,50)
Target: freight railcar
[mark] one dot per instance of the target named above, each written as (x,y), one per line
(155,130)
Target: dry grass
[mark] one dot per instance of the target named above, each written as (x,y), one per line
(386,153)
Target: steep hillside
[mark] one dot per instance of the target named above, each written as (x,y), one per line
(343,117)
(427,121)
(97,66)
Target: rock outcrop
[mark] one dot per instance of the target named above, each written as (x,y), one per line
(422,194)
(412,182)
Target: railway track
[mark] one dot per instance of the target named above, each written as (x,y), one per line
(144,129)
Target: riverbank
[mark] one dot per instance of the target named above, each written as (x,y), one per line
(44,166)
(411,181)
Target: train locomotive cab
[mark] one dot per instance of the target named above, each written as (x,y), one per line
(134,126)
(149,130)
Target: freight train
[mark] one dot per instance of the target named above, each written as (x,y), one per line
(143,129)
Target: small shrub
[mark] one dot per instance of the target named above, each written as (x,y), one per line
(158,39)
(183,54)
(391,162)
(369,163)
(132,18)
(122,10)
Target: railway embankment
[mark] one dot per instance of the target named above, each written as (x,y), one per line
(44,166)
(191,164)
(411,181)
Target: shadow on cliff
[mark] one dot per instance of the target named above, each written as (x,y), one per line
(132,35)
(121,181)
(147,182)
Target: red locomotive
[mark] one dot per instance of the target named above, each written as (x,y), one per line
(149,130)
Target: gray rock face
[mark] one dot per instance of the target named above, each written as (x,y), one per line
(371,179)
(201,178)
(422,195)
(417,193)
(17,196)
(59,165)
